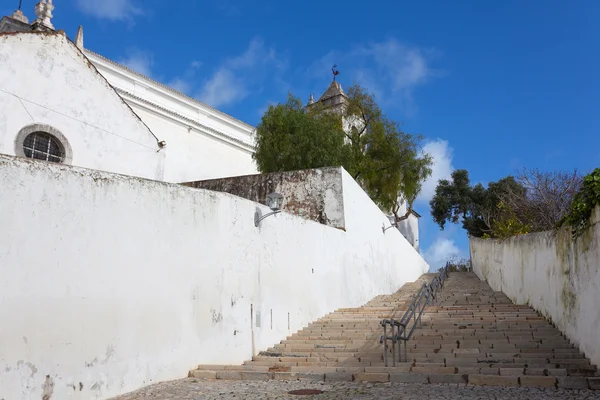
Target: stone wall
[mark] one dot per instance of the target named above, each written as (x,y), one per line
(558,277)
(109,282)
(314,194)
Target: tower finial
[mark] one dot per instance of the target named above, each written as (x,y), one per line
(79,38)
(43,10)
(335,71)
(311,99)
(20,4)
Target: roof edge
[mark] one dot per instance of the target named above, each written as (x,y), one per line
(170,89)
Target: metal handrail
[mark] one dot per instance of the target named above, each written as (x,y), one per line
(399,330)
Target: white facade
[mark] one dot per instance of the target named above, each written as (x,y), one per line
(409,227)
(128,282)
(202,142)
(558,277)
(47,84)
(113,120)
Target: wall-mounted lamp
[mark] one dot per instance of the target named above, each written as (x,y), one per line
(274,202)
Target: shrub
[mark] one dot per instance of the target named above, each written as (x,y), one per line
(584,202)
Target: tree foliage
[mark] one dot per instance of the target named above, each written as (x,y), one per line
(290,138)
(544,197)
(530,202)
(584,202)
(457,264)
(387,162)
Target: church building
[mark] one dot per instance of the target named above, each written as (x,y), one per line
(61,102)
(106,116)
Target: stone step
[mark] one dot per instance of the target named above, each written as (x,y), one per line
(470,335)
(402,375)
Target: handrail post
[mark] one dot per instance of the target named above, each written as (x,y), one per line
(393,345)
(400,329)
(385,345)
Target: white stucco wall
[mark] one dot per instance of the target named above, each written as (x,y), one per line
(202,142)
(116,282)
(557,277)
(191,155)
(410,230)
(57,86)
(408,227)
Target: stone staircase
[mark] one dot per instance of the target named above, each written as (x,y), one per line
(472,335)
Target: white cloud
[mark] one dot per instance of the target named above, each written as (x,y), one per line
(139,61)
(196,64)
(442,167)
(181,85)
(113,10)
(238,76)
(440,251)
(223,88)
(185,82)
(389,69)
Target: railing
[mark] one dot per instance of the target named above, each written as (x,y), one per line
(402,330)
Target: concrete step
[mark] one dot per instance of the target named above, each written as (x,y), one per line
(401,374)
(470,335)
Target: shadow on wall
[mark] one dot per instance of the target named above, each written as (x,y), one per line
(408,233)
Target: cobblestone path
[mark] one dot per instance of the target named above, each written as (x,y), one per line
(195,389)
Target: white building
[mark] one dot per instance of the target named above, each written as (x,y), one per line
(122,122)
(109,282)
(108,117)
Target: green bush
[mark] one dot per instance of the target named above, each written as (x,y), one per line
(584,203)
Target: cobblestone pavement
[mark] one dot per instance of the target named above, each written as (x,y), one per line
(195,389)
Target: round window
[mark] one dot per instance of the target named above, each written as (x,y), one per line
(43,146)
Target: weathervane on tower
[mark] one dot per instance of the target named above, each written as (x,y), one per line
(335,71)
(20,4)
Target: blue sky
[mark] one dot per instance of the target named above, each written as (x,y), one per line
(493,85)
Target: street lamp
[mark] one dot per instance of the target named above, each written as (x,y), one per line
(274,202)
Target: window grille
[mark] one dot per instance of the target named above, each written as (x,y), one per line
(43,146)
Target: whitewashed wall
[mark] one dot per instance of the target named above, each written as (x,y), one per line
(57,86)
(202,142)
(191,154)
(409,227)
(116,282)
(557,277)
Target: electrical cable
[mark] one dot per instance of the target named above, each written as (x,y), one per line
(21,99)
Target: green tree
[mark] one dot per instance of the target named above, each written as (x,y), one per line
(475,206)
(532,201)
(290,138)
(507,223)
(584,202)
(387,162)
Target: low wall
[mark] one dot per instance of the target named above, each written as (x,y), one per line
(109,283)
(314,194)
(558,277)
